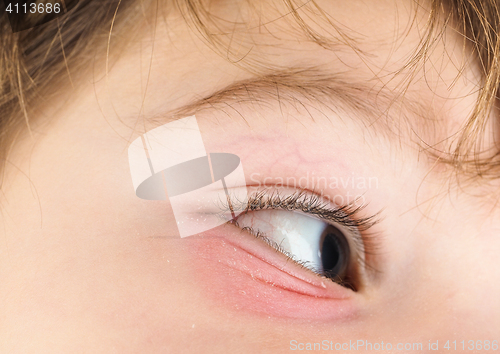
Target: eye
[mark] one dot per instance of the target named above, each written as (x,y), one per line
(318,245)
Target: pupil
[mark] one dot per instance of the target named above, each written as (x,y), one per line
(334,254)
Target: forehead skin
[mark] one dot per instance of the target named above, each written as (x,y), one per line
(85,265)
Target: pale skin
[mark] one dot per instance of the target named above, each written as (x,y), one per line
(86,266)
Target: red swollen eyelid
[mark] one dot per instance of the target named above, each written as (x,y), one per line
(242,273)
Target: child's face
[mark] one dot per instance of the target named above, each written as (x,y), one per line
(88,266)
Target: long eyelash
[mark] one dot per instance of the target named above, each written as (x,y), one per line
(308,203)
(313,205)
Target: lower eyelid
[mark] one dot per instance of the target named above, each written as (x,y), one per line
(244,273)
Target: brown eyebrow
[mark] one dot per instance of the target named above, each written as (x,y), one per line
(380,108)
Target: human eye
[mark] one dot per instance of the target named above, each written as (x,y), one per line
(324,238)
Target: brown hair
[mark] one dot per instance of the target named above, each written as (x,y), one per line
(43,58)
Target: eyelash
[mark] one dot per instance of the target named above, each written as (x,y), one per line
(347,216)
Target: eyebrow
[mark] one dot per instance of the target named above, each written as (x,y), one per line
(378,108)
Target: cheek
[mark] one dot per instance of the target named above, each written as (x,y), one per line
(140,295)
